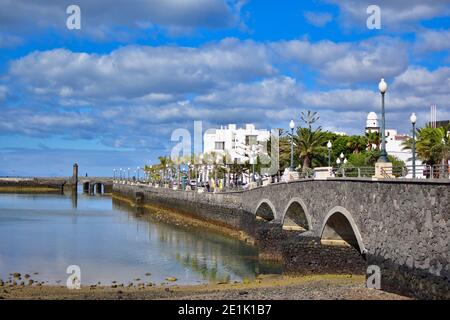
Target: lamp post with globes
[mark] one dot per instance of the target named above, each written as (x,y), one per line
(382,86)
(329,145)
(292,126)
(413,119)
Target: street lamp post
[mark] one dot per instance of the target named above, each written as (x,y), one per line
(253,156)
(215,173)
(413,119)
(166,174)
(382,86)
(292,126)
(150,178)
(114,174)
(189,171)
(138,169)
(329,145)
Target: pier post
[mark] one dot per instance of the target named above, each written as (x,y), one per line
(75,173)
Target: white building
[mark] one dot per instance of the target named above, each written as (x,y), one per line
(372,123)
(394,145)
(234,141)
(394,142)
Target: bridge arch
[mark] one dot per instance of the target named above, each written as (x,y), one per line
(98,187)
(265,210)
(296,216)
(339,225)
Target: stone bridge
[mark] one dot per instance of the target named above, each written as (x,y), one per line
(96,184)
(402,226)
(399,226)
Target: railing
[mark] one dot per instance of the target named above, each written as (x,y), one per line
(354,172)
(421,172)
(399,172)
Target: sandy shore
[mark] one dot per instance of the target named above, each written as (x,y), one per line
(264,287)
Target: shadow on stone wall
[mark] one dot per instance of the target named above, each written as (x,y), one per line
(421,284)
(301,253)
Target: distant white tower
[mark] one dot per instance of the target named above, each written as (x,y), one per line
(372,123)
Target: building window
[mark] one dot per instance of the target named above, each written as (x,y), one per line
(220,145)
(250,140)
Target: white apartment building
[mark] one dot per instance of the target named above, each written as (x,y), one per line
(234,141)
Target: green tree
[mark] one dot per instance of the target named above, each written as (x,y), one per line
(373,138)
(356,144)
(364,159)
(310,144)
(432,145)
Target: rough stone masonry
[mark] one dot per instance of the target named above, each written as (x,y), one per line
(401,226)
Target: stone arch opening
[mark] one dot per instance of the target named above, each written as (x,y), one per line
(99,188)
(86,187)
(265,211)
(340,229)
(296,217)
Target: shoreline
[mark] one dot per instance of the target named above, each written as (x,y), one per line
(30,190)
(268,287)
(184,219)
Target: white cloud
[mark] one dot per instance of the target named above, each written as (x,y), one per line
(306,52)
(345,63)
(132,95)
(141,72)
(421,81)
(395,14)
(102,18)
(268,93)
(318,19)
(9,41)
(3,92)
(433,40)
(369,61)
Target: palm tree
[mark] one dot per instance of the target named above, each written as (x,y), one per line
(356,143)
(310,144)
(373,138)
(432,145)
(165,163)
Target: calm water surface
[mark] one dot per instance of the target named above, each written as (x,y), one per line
(109,242)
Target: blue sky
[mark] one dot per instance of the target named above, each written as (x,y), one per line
(110,95)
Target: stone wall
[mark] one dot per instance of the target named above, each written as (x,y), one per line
(403,225)
(400,225)
(221,209)
(47,184)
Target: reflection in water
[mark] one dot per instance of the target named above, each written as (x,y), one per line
(213,256)
(47,233)
(74,198)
